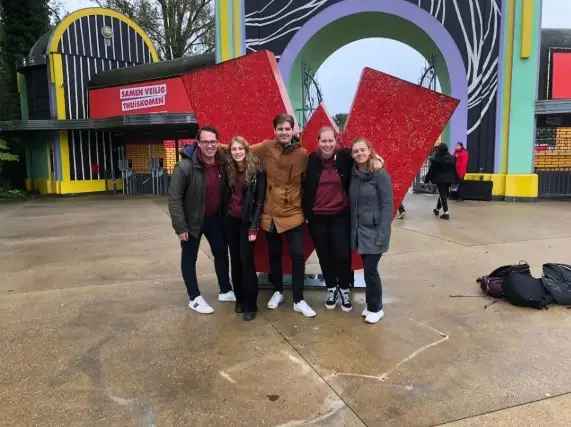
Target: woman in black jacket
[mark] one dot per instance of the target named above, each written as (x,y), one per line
(442,172)
(244,206)
(326,208)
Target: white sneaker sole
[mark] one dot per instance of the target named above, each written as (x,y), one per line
(309,315)
(345,309)
(330,307)
(372,322)
(201,311)
(274,306)
(226,299)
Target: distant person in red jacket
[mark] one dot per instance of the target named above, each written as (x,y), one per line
(461,155)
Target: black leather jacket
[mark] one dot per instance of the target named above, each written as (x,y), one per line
(252,200)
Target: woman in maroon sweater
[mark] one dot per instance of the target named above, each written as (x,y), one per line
(244,206)
(326,208)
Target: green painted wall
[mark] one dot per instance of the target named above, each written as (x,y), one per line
(38,160)
(360,26)
(523,97)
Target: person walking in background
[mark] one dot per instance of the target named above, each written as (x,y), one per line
(462,157)
(197,190)
(247,183)
(285,162)
(402,212)
(442,173)
(326,209)
(371,202)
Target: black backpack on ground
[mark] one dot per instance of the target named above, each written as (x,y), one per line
(493,283)
(524,290)
(557,282)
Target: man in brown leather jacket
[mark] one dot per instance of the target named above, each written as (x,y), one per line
(285,162)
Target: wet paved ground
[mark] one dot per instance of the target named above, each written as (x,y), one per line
(95,328)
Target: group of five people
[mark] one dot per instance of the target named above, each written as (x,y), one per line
(229,192)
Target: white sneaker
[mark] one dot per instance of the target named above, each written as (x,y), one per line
(227,297)
(373,317)
(304,308)
(200,305)
(276,299)
(365,312)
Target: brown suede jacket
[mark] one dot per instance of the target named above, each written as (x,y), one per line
(285,173)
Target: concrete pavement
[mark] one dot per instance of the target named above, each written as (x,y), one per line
(95,328)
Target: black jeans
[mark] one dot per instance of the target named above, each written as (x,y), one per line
(242,266)
(374,292)
(330,235)
(295,245)
(213,229)
(443,191)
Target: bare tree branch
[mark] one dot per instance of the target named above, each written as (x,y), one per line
(177,27)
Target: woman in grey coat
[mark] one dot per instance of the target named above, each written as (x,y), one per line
(371,196)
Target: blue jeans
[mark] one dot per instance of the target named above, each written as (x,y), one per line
(213,229)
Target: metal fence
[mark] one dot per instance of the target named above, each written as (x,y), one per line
(419,186)
(552,161)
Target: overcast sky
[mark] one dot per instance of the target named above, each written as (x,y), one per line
(339,74)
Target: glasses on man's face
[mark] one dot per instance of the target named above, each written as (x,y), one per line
(210,143)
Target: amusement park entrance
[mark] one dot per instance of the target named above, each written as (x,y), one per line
(463,53)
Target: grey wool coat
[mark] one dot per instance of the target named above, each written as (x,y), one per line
(371,196)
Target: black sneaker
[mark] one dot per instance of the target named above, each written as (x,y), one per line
(345,296)
(445,215)
(332,295)
(436,212)
(249,315)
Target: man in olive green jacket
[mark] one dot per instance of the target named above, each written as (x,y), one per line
(200,172)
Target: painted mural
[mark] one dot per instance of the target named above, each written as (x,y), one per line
(473,24)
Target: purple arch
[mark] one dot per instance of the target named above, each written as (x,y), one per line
(409,12)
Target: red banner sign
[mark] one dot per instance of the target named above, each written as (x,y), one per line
(158,96)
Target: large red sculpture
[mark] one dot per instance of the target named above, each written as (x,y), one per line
(402,120)
(318,120)
(239,97)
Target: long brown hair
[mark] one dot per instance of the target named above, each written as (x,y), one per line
(249,167)
(375,162)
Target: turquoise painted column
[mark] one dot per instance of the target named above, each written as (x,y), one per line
(525,65)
